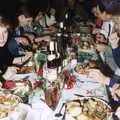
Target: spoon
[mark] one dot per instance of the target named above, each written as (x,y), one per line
(59,114)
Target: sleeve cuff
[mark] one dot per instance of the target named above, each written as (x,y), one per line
(112,82)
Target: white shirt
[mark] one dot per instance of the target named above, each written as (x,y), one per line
(105,26)
(42,22)
(50,20)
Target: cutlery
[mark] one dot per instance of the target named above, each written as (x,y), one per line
(64,115)
(99,97)
(88,81)
(59,114)
(87,96)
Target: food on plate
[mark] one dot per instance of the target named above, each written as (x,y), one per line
(84,68)
(8,104)
(26,69)
(75,111)
(88,109)
(83,117)
(73,104)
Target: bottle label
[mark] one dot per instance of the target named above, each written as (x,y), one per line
(59,69)
(52,74)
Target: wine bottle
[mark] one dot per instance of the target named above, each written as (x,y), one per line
(58,58)
(51,63)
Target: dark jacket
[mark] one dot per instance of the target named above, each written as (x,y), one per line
(116,55)
(5,58)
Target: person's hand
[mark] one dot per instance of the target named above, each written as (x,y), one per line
(22,59)
(97,76)
(114,39)
(23,40)
(115,92)
(95,31)
(91,24)
(117,113)
(30,36)
(45,38)
(52,28)
(28,54)
(11,71)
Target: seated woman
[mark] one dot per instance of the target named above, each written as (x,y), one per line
(50,19)
(40,19)
(24,21)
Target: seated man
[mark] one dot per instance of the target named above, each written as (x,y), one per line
(7,59)
(105,53)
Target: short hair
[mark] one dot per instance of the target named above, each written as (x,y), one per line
(109,6)
(4,22)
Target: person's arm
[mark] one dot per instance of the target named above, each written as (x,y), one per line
(116,55)
(114,41)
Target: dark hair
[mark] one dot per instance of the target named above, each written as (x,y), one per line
(24,10)
(109,6)
(4,22)
(94,3)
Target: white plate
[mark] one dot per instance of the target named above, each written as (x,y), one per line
(69,117)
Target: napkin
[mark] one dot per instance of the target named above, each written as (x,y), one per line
(20,112)
(40,111)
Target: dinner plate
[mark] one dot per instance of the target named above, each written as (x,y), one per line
(8,103)
(87,108)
